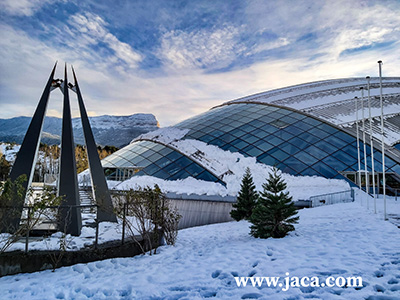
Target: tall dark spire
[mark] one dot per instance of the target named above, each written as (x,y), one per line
(105,211)
(70,218)
(26,159)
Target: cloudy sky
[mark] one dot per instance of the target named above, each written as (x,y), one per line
(176,58)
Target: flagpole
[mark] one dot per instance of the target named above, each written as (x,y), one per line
(372,143)
(383,142)
(358,146)
(365,147)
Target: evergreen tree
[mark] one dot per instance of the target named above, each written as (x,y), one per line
(274,214)
(246,199)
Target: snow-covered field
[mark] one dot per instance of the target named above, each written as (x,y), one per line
(336,240)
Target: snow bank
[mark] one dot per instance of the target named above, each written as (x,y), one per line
(341,240)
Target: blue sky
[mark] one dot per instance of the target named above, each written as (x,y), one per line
(176,59)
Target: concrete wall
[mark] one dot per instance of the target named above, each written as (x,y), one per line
(201,210)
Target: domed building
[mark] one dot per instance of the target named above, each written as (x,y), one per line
(306,129)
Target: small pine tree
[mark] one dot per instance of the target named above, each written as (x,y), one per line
(246,200)
(274,214)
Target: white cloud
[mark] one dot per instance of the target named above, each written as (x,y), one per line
(92,30)
(22,7)
(182,89)
(280,42)
(202,48)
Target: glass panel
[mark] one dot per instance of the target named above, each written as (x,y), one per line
(247,128)
(309,172)
(274,140)
(267,159)
(278,154)
(316,152)
(312,121)
(300,143)
(306,158)
(260,133)
(182,174)
(288,119)
(165,151)
(148,153)
(227,138)
(309,137)
(237,132)
(194,169)
(207,176)
(335,141)
(396,169)
(206,138)
(163,162)
(217,142)
(256,123)
(161,174)
(328,148)
(269,128)
(172,169)
(318,132)
(156,147)
(302,126)
(252,151)
(295,164)
(284,135)
(151,169)
(344,136)
(289,148)
(249,138)
(174,156)
(328,128)
(183,161)
(284,168)
(264,146)
(292,129)
(154,157)
(334,163)
(230,148)
(240,144)
(325,170)
(143,163)
(344,157)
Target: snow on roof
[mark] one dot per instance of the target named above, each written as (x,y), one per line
(226,165)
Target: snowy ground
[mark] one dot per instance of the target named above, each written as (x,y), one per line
(337,240)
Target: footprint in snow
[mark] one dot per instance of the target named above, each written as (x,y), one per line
(251,296)
(216,273)
(269,252)
(393,281)
(378,274)
(379,288)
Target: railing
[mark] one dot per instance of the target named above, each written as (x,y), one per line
(332,198)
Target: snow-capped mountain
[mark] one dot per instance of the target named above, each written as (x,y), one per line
(108,130)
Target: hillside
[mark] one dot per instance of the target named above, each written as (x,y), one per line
(108,130)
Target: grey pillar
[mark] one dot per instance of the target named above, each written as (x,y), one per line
(105,211)
(70,218)
(26,158)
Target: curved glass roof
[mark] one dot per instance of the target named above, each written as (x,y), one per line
(157,160)
(296,143)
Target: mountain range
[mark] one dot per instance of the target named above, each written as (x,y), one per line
(108,130)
